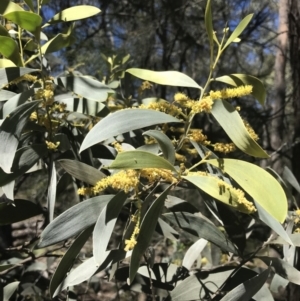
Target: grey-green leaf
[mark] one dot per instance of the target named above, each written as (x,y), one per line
(74,220)
(140,159)
(202,228)
(165,144)
(233,125)
(82,171)
(146,231)
(9,289)
(117,123)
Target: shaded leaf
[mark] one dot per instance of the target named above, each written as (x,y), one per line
(117,123)
(140,159)
(166,230)
(105,225)
(238,30)
(5,266)
(8,7)
(25,19)
(259,91)
(30,4)
(19,211)
(75,13)
(3,6)
(248,289)
(169,78)
(202,228)
(68,260)
(165,144)
(233,125)
(10,132)
(58,42)
(9,49)
(147,228)
(258,183)
(290,178)
(282,268)
(73,220)
(85,86)
(82,171)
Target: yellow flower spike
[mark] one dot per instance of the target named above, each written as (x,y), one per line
(129,244)
(180,97)
(51,145)
(224,147)
(231,92)
(250,130)
(204,105)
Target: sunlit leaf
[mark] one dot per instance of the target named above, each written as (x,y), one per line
(199,226)
(248,289)
(19,211)
(25,19)
(258,183)
(4,63)
(147,228)
(51,197)
(238,30)
(210,185)
(165,144)
(68,260)
(10,132)
(233,125)
(193,253)
(58,42)
(9,49)
(105,225)
(9,289)
(117,123)
(9,6)
(74,220)
(169,78)
(75,13)
(259,91)
(82,171)
(140,159)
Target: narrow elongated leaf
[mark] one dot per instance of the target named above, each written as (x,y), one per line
(25,19)
(68,260)
(6,95)
(82,171)
(258,183)
(164,143)
(5,63)
(117,123)
(3,31)
(25,158)
(169,78)
(75,13)
(238,30)
(11,73)
(105,225)
(58,42)
(21,210)
(10,132)
(282,268)
(140,159)
(74,220)
(202,228)
(210,185)
(146,231)
(9,49)
(15,101)
(233,125)
(8,190)
(259,91)
(89,267)
(9,289)
(86,87)
(193,253)
(290,178)
(52,191)
(166,230)
(248,289)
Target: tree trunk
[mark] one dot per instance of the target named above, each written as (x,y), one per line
(278,102)
(294,37)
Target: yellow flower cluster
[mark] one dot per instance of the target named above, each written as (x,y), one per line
(231,92)
(117,146)
(145,86)
(204,105)
(250,130)
(224,147)
(197,135)
(237,194)
(163,106)
(180,158)
(181,98)
(25,77)
(52,145)
(130,243)
(157,174)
